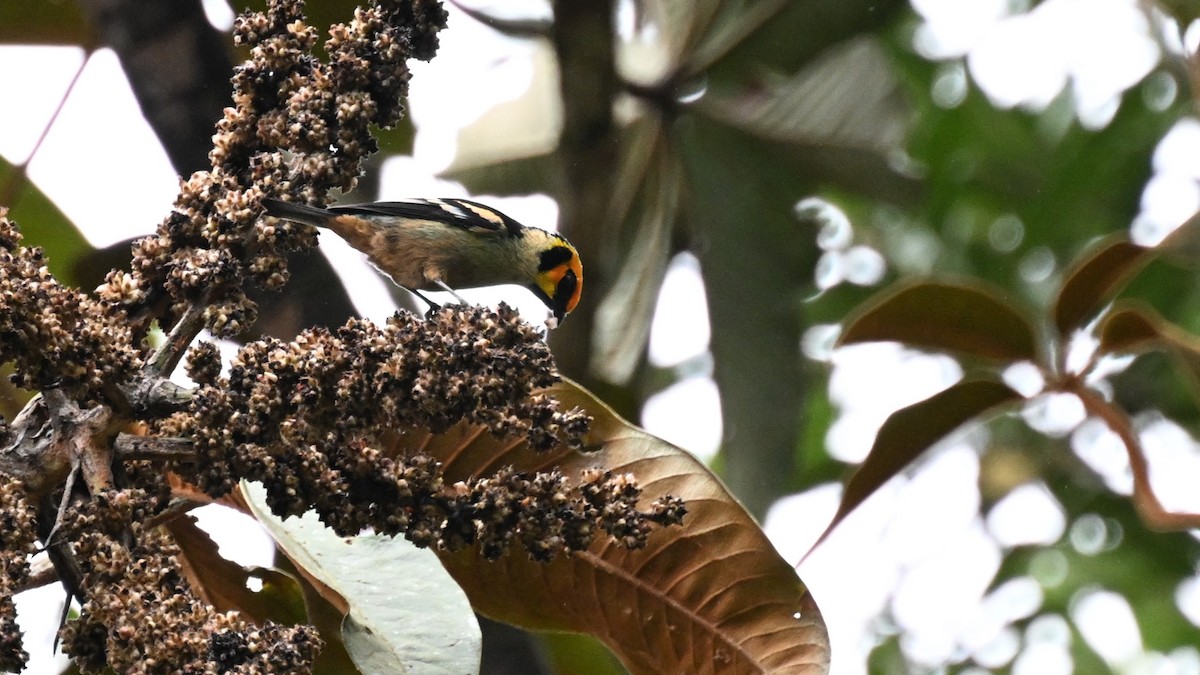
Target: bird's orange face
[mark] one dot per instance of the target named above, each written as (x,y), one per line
(560,278)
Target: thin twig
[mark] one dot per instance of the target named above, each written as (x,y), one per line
(1151,510)
(65,502)
(167,356)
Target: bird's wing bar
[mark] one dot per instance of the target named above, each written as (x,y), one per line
(460,212)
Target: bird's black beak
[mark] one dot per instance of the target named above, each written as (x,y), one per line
(562,295)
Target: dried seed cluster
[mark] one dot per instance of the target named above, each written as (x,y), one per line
(16,543)
(140,615)
(544,512)
(55,336)
(305,417)
(309,418)
(297,127)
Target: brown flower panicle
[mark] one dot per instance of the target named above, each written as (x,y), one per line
(550,516)
(17,541)
(308,419)
(140,614)
(55,336)
(297,128)
(320,420)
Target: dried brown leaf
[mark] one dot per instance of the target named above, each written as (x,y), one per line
(226,585)
(710,596)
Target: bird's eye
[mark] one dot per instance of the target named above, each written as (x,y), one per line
(554,257)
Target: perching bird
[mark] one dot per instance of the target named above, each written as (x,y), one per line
(443,244)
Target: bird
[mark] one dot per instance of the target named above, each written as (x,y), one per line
(449,243)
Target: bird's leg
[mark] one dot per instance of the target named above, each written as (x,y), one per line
(433,306)
(449,290)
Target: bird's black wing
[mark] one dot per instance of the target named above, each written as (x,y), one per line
(453,211)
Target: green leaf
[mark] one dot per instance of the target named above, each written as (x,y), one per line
(909,432)
(399,139)
(1144,566)
(1063,182)
(749,38)
(965,318)
(518,176)
(578,654)
(49,23)
(406,614)
(646,200)
(724,36)
(1183,11)
(815,108)
(1095,278)
(42,224)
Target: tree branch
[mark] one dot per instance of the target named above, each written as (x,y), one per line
(129,447)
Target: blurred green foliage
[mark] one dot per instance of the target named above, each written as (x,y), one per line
(782,119)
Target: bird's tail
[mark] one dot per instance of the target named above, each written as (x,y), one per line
(300,213)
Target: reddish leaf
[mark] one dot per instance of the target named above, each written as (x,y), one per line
(957,317)
(1183,245)
(1136,327)
(225,584)
(1095,278)
(1128,328)
(710,596)
(910,431)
